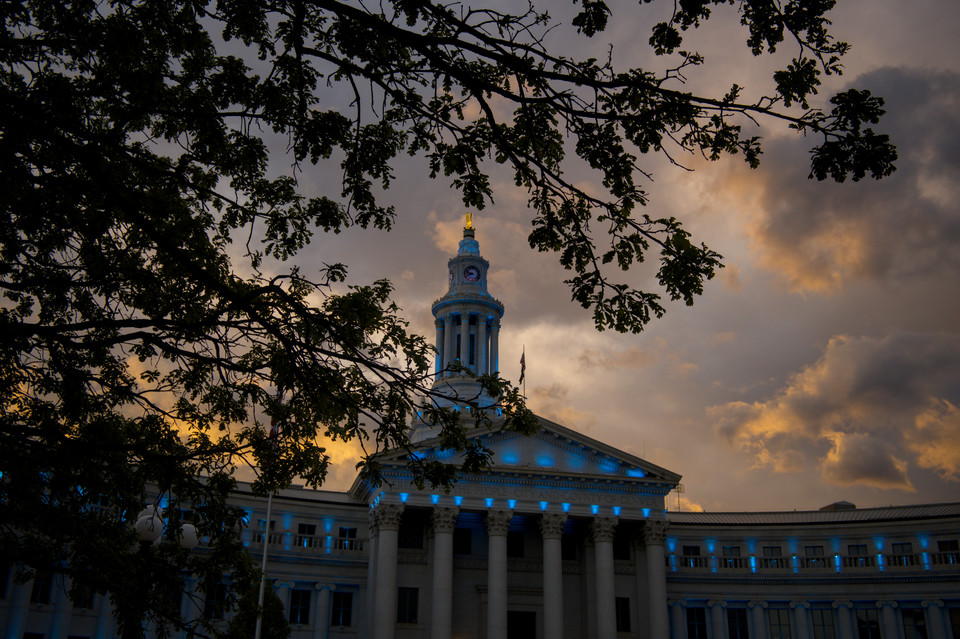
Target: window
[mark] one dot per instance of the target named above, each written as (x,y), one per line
(813,557)
(411,530)
(948,552)
(347,539)
(214,603)
(737,623)
(568,547)
(407,605)
(515,543)
(868,623)
(300,607)
(691,556)
(773,557)
(307,536)
(341,614)
(83,597)
(857,556)
(696,623)
(902,555)
(42,582)
(823,623)
(621,544)
(262,527)
(731,557)
(779,623)
(914,623)
(33,635)
(462,541)
(623,614)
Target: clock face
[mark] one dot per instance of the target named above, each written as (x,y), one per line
(471,273)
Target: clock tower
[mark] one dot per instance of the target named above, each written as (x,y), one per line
(467,320)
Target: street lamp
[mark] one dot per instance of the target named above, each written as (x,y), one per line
(149,528)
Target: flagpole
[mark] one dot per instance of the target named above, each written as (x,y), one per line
(263,566)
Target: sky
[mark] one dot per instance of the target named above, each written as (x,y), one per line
(822,364)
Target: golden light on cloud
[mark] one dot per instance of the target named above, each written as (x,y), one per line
(935,440)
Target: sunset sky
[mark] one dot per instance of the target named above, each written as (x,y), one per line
(823,363)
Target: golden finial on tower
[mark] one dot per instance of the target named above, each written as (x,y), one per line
(469,220)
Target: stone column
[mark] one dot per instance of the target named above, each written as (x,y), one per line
(465,340)
(282,588)
(888,619)
(372,548)
(444,521)
(495,346)
(483,364)
(654,536)
(385,599)
(104,618)
(192,606)
(603,530)
(845,619)
(935,621)
(441,345)
(321,619)
(678,629)
(20,603)
(449,341)
(718,620)
(758,617)
(498,523)
(60,625)
(801,615)
(551,529)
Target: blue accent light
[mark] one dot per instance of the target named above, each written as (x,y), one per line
(796,563)
(609,466)
(714,564)
(880,561)
(403,497)
(752,545)
(566,508)
(458,500)
(879,542)
(711,545)
(327,524)
(836,562)
(544,504)
(635,472)
(512,503)
(328,544)
(418,454)
(434,499)
(489,502)
(673,562)
(511,457)
(672,544)
(595,509)
(924,541)
(925,557)
(545,461)
(646,512)
(753,564)
(616,511)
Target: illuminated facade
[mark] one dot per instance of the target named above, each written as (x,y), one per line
(565,538)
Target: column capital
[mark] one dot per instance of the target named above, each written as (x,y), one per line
(551,525)
(498,522)
(324,586)
(373,517)
(716,602)
(757,604)
(388,516)
(603,528)
(655,532)
(445,518)
(799,604)
(932,603)
(677,602)
(887,602)
(843,604)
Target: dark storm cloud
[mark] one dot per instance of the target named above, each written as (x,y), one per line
(865,412)
(821,234)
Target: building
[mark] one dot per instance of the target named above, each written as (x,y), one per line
(565,538)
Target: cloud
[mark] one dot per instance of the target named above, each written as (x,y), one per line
(865,413)
(819,235)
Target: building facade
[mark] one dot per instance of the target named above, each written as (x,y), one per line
(565,538)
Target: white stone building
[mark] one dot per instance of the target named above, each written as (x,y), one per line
(565,538)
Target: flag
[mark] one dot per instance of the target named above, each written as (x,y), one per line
(523,365)
(274,429)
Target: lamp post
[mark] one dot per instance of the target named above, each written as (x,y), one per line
(149,528)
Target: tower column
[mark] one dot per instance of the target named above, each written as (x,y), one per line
(845,619)
(718,620)
(449,340)
(441,345)
(372,553)
(551,528)
(495,346)
(603,530)
(483,364)
(498,523)
(654,536)
(444,521)
(385,606)
(801,614)
(888,618)
(464,339)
